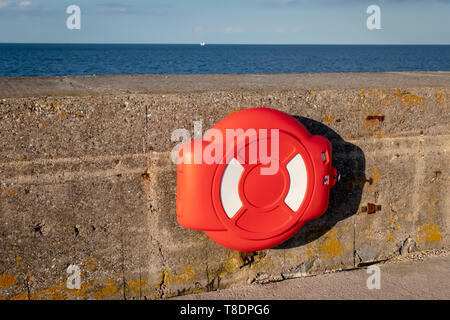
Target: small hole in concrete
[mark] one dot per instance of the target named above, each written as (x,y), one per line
(76,230)
(38,228)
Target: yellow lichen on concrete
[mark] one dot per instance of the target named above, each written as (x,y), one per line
(137,286)
(412,100)
(53,293)
(80,293)
(440,97)
(376,175)
(429,233)
(309,251)
(109,290)
(201,290)
(331,247)
(390,237)
(381,135)
(328,118)
(19,262)
(232,263)
(186,275)
(261,262)
(7,281)
(59,292)
(407,99)
(22,296)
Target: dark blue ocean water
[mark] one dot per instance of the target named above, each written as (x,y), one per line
(87,59)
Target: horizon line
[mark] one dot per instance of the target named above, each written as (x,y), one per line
(231,44)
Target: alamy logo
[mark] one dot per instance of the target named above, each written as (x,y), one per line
(263,147)
(374,20)
(74,20)
(74,279)
(374,281)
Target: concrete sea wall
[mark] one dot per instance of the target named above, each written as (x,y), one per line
(86,179)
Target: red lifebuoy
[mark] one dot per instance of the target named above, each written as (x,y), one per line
(238,205)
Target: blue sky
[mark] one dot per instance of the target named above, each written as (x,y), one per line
(226,21)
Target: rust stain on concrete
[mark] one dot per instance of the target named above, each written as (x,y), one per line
(373,121)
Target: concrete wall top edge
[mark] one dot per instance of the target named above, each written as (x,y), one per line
(127,84)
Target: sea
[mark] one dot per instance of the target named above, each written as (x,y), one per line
(27,60)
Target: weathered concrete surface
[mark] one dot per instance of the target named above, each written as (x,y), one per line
(406,279)
(29,87)
(86,179)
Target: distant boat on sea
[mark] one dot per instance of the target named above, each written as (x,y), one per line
(202,44)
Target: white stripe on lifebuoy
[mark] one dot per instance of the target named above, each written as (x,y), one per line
(229,188)
(298,182)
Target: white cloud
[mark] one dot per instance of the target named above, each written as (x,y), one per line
(12,6)
(25,4)
(4,4)
(233,30)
